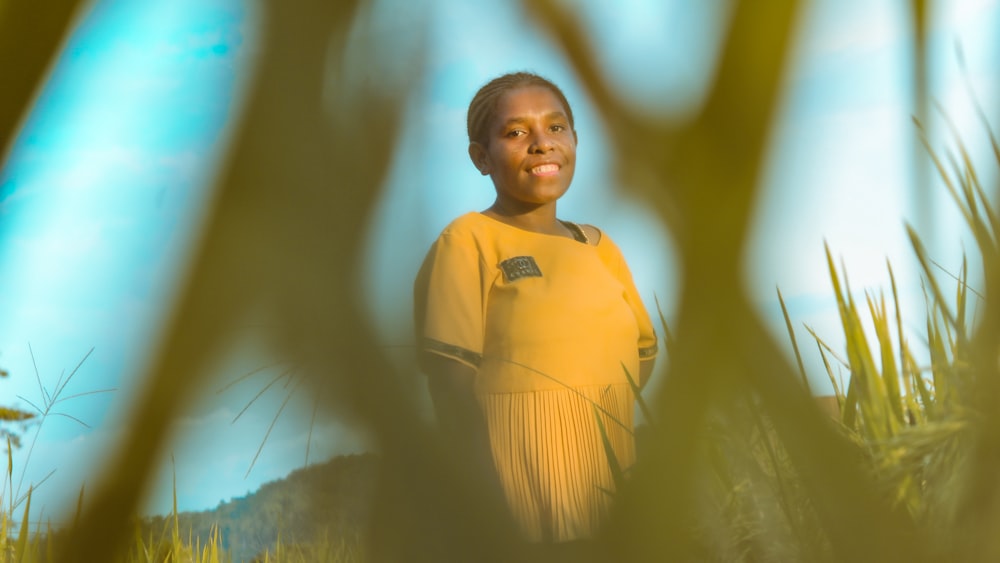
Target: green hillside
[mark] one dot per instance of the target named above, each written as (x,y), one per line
(326,503)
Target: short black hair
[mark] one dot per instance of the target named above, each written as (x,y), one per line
(483,107)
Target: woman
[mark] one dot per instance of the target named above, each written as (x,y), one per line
(528,324)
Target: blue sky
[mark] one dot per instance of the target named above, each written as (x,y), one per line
(105,190)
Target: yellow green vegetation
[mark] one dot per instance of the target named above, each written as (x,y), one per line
(12,416)
(283,522)
(914,431)
(738,465)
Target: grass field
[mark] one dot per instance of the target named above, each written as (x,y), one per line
(738,464)
(915,430)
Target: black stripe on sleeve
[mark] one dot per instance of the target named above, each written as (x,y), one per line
(648,352)
(453,351)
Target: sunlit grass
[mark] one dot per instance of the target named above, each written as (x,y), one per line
(19,543)
(738,464)
(913,427)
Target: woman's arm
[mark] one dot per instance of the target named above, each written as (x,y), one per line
(451,387)
(460,417)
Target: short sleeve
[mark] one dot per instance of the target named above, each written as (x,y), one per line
(449,301)
(615,261)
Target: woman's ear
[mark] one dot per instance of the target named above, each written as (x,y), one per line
(477,152)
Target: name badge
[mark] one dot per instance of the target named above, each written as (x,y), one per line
(520,267)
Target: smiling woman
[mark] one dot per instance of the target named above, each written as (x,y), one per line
(530,155)
(526,321)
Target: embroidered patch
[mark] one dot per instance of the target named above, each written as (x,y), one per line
(520,267)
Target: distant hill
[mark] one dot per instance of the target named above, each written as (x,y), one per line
(327,502)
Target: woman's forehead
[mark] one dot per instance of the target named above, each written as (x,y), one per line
(523,101)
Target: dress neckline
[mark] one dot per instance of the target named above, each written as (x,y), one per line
(579,235)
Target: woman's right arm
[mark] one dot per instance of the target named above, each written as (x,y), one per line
(451,386)
(448,307)
(459,416)
(461,421)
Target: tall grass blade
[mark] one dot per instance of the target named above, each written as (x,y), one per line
(889,379)
(312,425)
(5,537)
(260,393)
(270,427)
(791,335)
(10,475)
(668,338)
(936,294)
(175,532)
(62,383)
(958,279)
(906,370)
(617,475)
(38,377)
(975,198)
(647,413)
(21,548)
(970,91)
(79,508)
(851,402)
(837,390)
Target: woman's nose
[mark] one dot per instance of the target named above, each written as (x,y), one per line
(541,143)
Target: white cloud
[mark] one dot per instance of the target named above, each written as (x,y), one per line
(71,462)
(966,12)
(841,178)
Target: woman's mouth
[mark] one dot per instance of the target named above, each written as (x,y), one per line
(544,170)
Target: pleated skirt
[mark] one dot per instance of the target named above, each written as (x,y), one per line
(551,458)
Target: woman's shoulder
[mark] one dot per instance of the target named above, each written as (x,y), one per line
(594,235)
(467,223)
(471,229)
(606,247)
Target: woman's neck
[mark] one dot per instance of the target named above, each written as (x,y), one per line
(541,219)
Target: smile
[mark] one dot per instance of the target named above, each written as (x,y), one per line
(545,170)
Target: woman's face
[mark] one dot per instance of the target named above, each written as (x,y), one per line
(530,151)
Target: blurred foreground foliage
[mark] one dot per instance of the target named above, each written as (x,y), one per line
(740,465)
(12,420)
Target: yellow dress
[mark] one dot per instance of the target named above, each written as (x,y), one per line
(550,324)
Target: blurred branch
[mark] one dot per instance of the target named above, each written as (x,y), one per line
(30,37)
